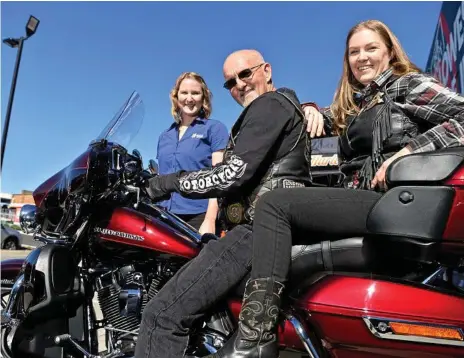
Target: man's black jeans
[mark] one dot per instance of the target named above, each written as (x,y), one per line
(167,318)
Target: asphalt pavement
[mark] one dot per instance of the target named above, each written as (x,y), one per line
(13,254)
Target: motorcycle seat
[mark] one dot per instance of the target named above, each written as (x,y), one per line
(428,168)
(349,255)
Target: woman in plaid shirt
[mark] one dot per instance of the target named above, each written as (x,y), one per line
(384,108)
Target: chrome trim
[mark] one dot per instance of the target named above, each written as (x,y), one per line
(299,329)
(130,300)
(27,218)
(110,328)
(47,240)
(380,328)
(14,297)
(181,225)
(434,275)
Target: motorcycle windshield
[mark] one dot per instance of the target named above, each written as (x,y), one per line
(125,125)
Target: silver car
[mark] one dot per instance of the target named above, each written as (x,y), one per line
(11,238)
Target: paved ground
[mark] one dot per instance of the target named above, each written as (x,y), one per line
(13,254)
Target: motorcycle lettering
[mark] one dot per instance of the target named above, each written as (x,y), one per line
(220,177)
(124,235)
(286,183)
(319,160)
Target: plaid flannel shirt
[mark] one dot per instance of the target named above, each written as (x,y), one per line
(421,96)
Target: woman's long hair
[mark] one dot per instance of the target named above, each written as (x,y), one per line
(207,96)
(343,104)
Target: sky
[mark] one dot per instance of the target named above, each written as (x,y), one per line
(87,57)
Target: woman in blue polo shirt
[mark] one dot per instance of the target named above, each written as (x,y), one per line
(192,142)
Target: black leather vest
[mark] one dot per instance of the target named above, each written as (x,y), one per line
(290,170)
(391,130)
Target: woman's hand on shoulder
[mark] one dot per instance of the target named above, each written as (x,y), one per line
(315,126)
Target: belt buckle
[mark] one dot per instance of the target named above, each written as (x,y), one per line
(235,213)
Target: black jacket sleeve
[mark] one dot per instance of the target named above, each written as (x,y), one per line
(265,121)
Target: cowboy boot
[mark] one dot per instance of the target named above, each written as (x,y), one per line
(256,336)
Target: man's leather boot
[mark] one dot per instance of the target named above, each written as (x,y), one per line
(256,336)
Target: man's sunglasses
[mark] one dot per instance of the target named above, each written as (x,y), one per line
(243,75)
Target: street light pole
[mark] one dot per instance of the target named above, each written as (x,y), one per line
(31,28)
(10,99)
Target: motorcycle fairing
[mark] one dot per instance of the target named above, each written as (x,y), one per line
(45,296)
(50,273)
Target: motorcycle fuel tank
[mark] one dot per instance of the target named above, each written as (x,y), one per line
(128,231)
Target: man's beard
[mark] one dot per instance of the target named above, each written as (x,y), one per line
(249,97)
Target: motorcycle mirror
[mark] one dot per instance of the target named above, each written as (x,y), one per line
(137,154)
(27,219)
(153,166)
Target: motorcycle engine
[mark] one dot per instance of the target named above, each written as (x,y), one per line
(123,294)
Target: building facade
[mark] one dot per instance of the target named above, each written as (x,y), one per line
(11,205)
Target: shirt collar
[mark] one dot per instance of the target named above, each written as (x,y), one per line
(196,120)
(375,85)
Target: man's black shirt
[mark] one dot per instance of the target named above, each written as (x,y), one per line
(266,130)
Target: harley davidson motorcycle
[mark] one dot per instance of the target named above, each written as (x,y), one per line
(398,292)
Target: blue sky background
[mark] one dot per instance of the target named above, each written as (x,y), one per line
(87,57)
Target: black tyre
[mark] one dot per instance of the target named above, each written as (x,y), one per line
(11,243)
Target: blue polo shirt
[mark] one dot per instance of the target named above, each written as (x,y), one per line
(193,152)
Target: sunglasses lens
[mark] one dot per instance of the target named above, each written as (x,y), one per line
(245,74)
(229,84)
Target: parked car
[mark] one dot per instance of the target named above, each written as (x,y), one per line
(11,238)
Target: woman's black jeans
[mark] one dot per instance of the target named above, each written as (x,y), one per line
(304,216)
(282,216)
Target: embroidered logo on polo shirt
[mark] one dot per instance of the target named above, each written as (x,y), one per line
(197,135)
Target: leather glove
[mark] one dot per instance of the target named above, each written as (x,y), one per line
(160,187)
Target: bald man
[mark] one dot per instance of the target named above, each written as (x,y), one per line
(266,151)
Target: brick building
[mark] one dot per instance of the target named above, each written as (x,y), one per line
(17,202)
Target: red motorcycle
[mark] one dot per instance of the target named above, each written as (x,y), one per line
(398,292)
